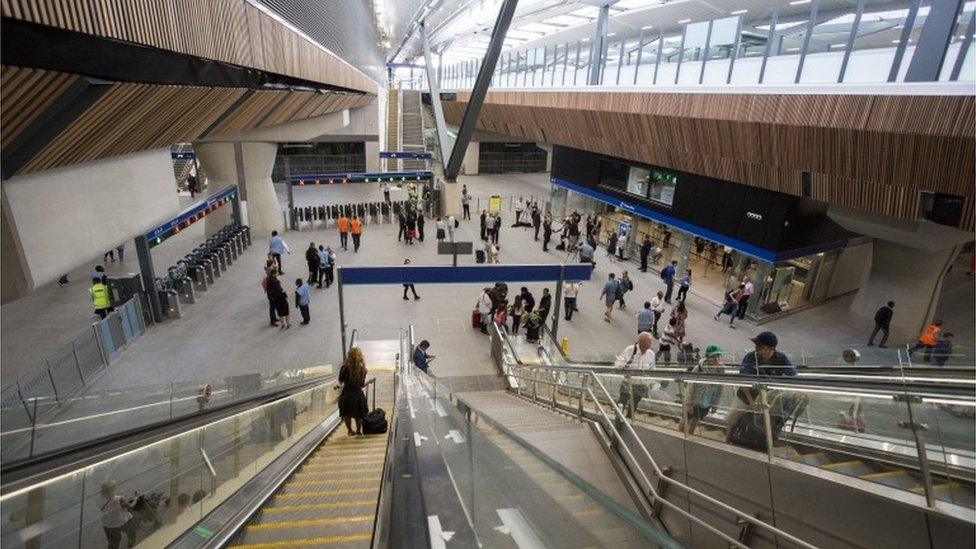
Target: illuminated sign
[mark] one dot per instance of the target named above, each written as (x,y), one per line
(302,180)
(190,216)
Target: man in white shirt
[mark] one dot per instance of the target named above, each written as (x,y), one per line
(639,357)
(657,306)
(484,308)
(519,206)
(747,291)
(570,291)
(621,245)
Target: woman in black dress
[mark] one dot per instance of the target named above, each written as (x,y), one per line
(279,299)
(352,399)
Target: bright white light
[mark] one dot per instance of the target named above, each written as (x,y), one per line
(739,12)
(799,2)
(683,21)
(647,27)
(611,34)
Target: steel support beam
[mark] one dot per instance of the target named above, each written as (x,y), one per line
(596,46)
(933,42)
(433,85)
(477,99)
(964,48)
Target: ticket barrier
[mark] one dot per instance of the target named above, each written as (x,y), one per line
(169,299)
(318,217)
(182,284)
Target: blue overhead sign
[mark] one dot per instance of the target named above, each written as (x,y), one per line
(466,274)
(190,216)
(182,155)
(340,178)
(406,154)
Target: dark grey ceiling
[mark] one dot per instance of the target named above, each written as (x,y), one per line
(344,27)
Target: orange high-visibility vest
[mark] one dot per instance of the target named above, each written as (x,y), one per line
(343,224)
(357,226)
(928,336)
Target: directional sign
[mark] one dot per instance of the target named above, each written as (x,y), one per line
(438,536)
(303,179)
(190,216)
(406,154)
(418,438)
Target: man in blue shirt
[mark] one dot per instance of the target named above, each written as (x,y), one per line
(302,299)
(667,275)
(586,253)
(420,357)
(764,361)
(276,247)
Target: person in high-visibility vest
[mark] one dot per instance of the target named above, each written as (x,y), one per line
(356,228)
(343,224)
(927,340)
(100,297)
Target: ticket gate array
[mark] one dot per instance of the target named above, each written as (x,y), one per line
(320,217)
(200,268)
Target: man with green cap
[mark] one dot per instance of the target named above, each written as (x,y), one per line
(701,398)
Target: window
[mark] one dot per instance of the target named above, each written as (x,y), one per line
(638,181)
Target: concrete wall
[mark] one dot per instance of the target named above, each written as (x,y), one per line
(372,156)
(852,263)
(469,165)
(260,200)
(59,219)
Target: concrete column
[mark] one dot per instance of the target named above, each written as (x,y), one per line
(472,155)
(557,202)
(684,248)
(373,156)
(910,277)
(263,212)
(452,199)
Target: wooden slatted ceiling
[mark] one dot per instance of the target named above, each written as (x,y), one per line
(224,30)
(24,94)
(869,152)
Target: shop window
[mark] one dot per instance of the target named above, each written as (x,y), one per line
(662,185)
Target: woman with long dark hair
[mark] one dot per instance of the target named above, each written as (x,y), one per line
(352,399)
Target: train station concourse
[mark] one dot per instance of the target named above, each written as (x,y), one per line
(487,273)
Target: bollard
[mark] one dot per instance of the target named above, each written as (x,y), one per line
(564,346)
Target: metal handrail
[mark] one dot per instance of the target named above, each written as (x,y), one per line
(660,474)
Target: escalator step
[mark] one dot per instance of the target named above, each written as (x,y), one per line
(317,506)
(332,530)
(330,495)
(313,512)
(351,540)
(306,523)
(884,475)
(318,485)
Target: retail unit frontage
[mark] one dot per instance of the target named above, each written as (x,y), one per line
(787,246)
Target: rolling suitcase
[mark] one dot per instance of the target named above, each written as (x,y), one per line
(375,422)
(475,318)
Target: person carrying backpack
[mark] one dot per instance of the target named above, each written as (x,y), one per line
(626,285)
(731,306)
(700,399)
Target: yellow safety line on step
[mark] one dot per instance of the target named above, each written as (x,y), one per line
(840,464)
(316,506)
(884,474)
(943,486)
(340,492)
(327,475)
(291,483)
(325,540)
(307,523)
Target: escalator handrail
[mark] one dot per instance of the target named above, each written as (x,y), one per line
(39,468)
(613,429)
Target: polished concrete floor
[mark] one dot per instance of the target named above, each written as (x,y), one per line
(226,332)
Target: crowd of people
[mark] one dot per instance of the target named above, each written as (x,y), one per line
(321,272)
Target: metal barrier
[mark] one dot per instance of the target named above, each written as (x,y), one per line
(324,216)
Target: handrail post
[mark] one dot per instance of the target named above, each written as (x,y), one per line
(685,396)
(767,421)
(553,394)
(81,374)
(630,399)
(535,383)
(923,458)
(33,428)
(582,394)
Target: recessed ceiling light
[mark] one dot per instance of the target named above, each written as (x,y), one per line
(799,2)
(895,41)
(611,34)
(793,49)
(684,21)
(647,27)
(739,12)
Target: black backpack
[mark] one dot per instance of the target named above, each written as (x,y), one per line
(375,422)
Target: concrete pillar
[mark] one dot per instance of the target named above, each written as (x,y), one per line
(910,277)
(684,248)
(263,212)
(558,197)
(451,199)
(472,155)
(373,156)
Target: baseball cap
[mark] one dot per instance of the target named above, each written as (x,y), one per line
(713,350)
(766,338)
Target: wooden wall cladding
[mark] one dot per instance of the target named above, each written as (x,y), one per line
(267,108)
(231,31)
(24,94)
(869,152)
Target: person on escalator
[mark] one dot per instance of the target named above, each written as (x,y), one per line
(764,361)
(533,323)
(421,359)
(638,356)
(352,399)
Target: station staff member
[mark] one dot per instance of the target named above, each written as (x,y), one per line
(101,300)
(343,224)
(277,246)
(356,228)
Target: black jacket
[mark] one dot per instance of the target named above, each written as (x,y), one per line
(883,316)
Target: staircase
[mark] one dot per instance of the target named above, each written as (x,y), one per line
(392,127)
(413,129)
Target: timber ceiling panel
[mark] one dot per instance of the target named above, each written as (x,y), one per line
(231,31)
(869,152)
(26,93)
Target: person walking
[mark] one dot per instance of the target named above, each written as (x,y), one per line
(352,400)
(465,204)
(385,187)
(667,275)
(519,206)
(312,259)
(657,306)
(409,286)
(421,358)
(731,305)
(645,318)
(441,229)
(666,243)
(516,312)
(927,340)
(882,323)
(942,350)
(496,225)
(645,250)
(302,299)
(609,295)
(402,221)
(545,304)
(485,308)
(527,299)
(420,226)
(266,286)
(570,292)
(626,285)
(684,285)
(546,232)
(678,317)
(279,300)
(117,517)
(192,185)
(612,245)
(484,225)
(276,247)
(747,291)
(356,228)
(622,246)
(343,224)
(100,297)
